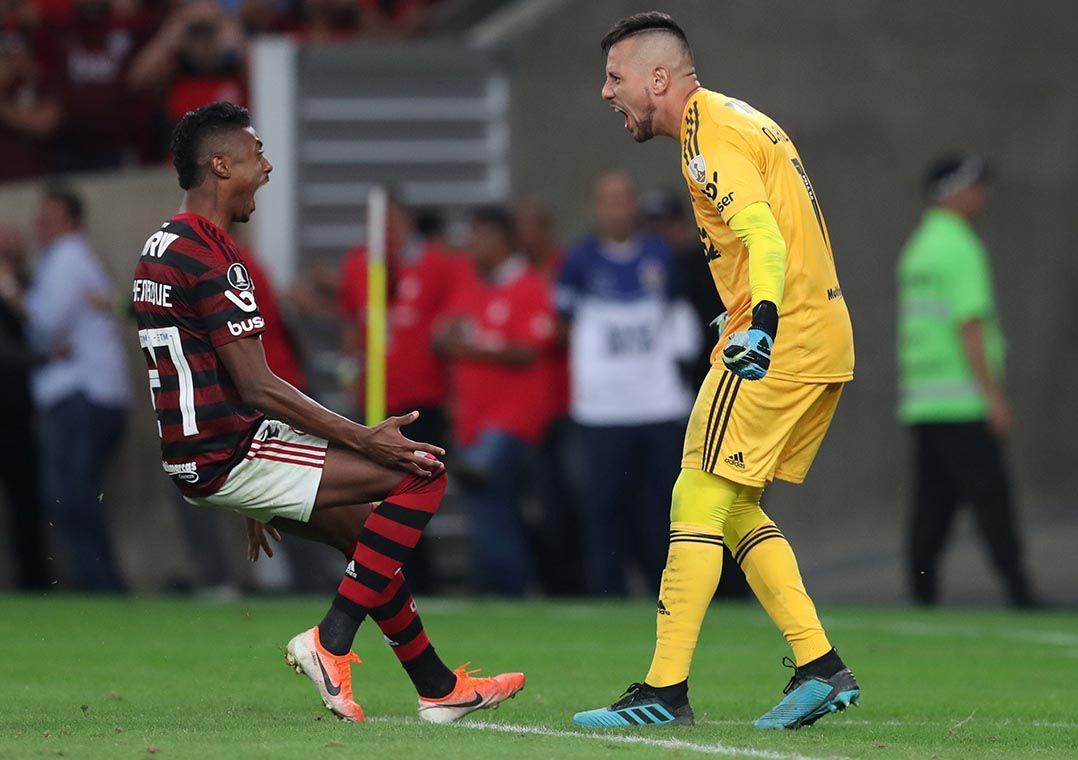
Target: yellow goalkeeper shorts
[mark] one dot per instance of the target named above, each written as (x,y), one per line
(754,432)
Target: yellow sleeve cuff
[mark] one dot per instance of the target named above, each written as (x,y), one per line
(755,225)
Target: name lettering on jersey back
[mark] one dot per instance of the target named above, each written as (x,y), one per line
(148,291)
(239,328)
(158,244)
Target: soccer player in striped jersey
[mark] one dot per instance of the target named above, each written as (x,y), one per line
(766,404)
(235,436)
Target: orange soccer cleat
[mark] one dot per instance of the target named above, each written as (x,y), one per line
(331,673)
(470,694)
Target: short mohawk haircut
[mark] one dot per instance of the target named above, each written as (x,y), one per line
(651,21)
(193,129)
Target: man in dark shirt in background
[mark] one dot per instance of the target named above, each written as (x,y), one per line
(18,447)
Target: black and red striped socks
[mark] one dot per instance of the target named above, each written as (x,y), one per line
(403,630)
(388,537)
(374,584)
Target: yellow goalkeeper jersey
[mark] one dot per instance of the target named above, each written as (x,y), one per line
(732,156)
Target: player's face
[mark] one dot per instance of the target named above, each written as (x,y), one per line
(250,170)
(627,90)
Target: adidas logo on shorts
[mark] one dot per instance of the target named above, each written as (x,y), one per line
(736,460)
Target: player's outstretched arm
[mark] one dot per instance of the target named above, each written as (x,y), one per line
(245,360)
(748,354)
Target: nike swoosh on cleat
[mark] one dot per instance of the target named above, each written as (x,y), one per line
(474,703)
(333,690)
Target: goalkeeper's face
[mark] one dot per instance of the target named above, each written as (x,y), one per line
(627,88)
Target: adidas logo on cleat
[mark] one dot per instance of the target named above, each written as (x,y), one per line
(736,460)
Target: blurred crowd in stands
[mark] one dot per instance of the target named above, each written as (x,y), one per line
(97,84)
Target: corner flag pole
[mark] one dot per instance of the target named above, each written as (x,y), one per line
(377,206)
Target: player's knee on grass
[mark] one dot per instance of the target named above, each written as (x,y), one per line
(701,498)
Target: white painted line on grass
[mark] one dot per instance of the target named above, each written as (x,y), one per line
(915,723)
(616,738)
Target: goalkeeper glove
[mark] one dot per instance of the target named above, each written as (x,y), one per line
(748,354)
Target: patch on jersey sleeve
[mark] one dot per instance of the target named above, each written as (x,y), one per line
(238,277)
(244,301)
(698,169)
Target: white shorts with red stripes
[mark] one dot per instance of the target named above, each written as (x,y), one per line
(278,478)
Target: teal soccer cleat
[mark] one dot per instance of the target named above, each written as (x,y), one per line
(639,706)
(810,697)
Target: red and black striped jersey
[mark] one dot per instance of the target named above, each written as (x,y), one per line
(192,293)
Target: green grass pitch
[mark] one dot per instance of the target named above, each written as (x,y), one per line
(86,678)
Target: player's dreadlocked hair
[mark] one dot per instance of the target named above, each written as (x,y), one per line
(651,21)
(192,131)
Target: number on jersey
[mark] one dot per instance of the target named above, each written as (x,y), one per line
(169,337)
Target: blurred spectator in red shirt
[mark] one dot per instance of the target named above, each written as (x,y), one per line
(420,281)
(282,352)
(28,115)
(85,63)
(560,564)
(328,20)
(395,18)
(535,228)
(50,11)
(430,225)
(498,336)
(197,57)
(266,17)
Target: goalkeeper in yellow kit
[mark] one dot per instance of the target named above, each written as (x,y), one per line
(785,351)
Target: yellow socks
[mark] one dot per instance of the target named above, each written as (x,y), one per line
(689,581)
(700,504)
(705,508)
(771,569)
